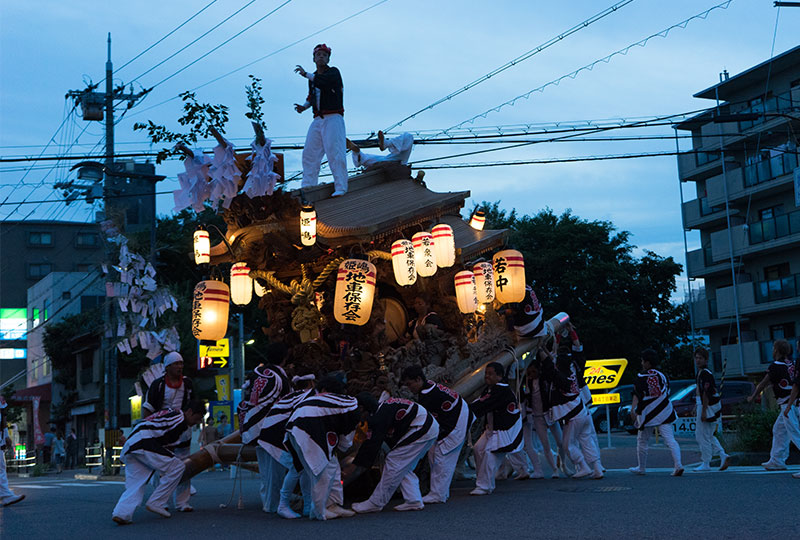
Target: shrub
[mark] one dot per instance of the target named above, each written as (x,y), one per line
(754,428)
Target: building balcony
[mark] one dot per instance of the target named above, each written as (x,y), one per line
(715,186)
(751,351)
(697,214)
(700,264)
(696,165)
(774,234)
(704,312)
(760,297)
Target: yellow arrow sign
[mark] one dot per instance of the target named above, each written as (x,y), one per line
(604,399)
(601,374)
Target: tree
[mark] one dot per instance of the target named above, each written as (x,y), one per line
(619,303)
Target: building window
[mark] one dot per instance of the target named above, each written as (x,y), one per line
(91,302)
(89,240)
(45,310)
(40,239)
(35,317)
(39,270)
(781,331)
(83,267)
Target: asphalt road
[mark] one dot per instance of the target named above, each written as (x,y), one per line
(743,502)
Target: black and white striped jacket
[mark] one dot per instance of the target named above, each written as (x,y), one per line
(564,400)
(654,407)
(397,422)
(159,433)
(268,387)
(503,418)
(272,436)
(319,425)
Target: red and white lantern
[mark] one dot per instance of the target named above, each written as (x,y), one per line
(478,220)
(484,281)
(466,293)
(424,253)
(241,284)
(210,304)
(445,245)
(509,276)
(355,291)
(202,247)
(403,262)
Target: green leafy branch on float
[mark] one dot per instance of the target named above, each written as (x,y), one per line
(254,102)
(202,118)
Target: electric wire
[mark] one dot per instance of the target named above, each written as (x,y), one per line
(588,67)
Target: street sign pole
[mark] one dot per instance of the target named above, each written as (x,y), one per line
(608,426)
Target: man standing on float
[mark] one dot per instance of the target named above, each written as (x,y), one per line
(326,134)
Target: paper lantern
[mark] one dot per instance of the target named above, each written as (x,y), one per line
(509,276)
(478,220)
(308,225)
(444,244)
(466,293)
(424,253)
(202,247)
(484,281)
(403,262)
(260,291)
(355,290)
(241,284)
(210,304)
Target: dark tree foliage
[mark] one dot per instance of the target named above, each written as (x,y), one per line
(620,304)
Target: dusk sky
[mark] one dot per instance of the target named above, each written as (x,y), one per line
(396,58)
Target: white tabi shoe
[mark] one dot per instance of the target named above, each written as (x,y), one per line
(725,462)
(796,475)
(430,498)
(479,491)
(338,193)
(160,511)
(677,472)
(341,512)
(186,508)
(637,471)
(287,513)
(772,466)
(582,473)
(13,500)
(408,506)
(365,507)
(703,467)
(119,520)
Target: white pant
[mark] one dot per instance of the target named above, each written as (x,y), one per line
(443,465)
(666,432)
(704,433)
(578,439)
(786,429)
(325,487)
(487,463)
(290,482)
(5,491)
(138,468)
(326,136)
(398,471)
(399,150)
(272,474)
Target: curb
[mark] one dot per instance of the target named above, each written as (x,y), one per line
(80,476)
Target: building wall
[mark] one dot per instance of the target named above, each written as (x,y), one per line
(759,160)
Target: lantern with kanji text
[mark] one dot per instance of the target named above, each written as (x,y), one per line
(444,244)
(424,253)
(210,303)
(308,225)
(202,246)
(466,293)
(484,281)
(403,262)
(509,276)
(355,290)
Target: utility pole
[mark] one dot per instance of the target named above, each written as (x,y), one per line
(92,106)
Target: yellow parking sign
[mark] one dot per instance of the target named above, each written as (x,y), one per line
(604,399)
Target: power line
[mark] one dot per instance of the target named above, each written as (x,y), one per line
(588,67)
(167,35)
(226,19)
(273,53)
(221,44)
(549,160)
(519,59)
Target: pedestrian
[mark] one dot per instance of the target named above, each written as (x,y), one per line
(454,418)
(780,374)
(272,439)
(150,448)
(224,427)
(326,134)
(208,434)
(47,448)
(320,425)
(651,408)
(7,496)
(268,384)
(503,431)
(567,407)
(533,411)
(709,410)
(71,444)
(59,453)
(409,431)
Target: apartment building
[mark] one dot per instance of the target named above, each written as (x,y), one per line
(743,169)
